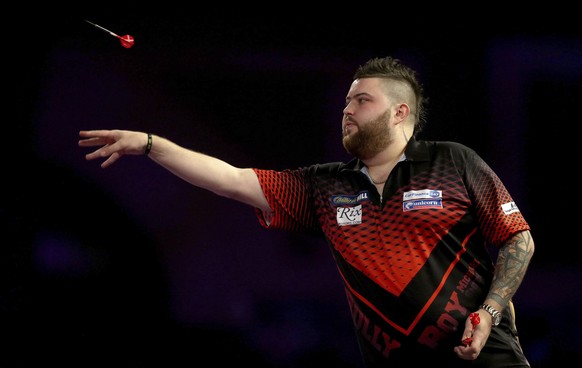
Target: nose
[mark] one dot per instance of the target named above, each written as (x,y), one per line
(347,110)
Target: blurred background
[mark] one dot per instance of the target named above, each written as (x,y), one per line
(131,266)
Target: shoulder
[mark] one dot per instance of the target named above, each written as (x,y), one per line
(450,146)
(330,168)
(424,148)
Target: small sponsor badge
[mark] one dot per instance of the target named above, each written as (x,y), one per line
(349,208)
(422,199)
(509,208)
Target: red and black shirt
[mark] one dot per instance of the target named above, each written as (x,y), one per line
(415,259)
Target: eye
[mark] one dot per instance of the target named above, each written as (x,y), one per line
(360,100)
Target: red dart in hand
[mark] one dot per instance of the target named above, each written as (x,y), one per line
(474,321)
(127,41)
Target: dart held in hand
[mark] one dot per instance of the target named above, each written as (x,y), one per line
(127,41)
(475,319)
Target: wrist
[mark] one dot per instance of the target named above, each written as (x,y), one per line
(495,314)
(148,147)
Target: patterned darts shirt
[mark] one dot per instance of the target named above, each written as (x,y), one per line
(415,259)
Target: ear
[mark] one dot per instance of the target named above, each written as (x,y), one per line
(402,112)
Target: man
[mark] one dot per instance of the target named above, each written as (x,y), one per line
(409,223)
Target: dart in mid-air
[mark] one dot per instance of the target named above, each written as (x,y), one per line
(127,41)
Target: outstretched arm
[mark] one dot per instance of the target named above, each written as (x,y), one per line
(198,169)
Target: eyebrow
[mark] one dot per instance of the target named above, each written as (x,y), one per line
(359,95)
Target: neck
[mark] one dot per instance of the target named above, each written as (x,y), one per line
(380,165)
(389,156)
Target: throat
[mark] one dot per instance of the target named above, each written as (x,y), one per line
(382,176)
(379,174)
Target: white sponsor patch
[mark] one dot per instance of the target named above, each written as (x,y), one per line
(509,207)
(349,215)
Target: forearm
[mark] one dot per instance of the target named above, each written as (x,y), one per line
(512,263)
(208,172)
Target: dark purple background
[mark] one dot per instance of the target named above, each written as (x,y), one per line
(131,266)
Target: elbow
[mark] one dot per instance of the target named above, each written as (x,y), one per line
(525,242)
(530,244)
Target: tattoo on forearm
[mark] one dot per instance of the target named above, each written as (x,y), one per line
(512,262)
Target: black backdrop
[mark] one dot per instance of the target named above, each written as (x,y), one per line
(132,266)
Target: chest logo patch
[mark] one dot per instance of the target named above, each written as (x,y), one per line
(349,208)
(422,199)
(349,215)
(349,200)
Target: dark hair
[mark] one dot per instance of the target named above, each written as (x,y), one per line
(391,68)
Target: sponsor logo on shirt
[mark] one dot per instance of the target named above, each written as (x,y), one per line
(349,215)
(422,199)
(347,200)
(509,208)
(349,208)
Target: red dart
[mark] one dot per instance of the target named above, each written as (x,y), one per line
(475,319)
(127,41)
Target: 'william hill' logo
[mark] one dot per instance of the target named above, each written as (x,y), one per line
(349,200)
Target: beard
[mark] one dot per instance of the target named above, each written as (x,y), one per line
(370,139)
